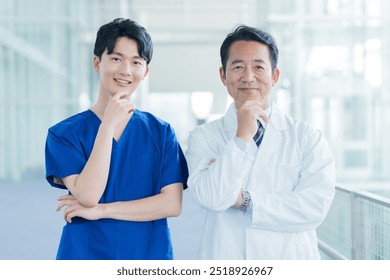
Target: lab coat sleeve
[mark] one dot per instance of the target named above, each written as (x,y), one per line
(304,205)
(215,186)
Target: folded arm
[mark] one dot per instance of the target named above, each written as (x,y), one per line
(216,177)
(88,186)
(168,203)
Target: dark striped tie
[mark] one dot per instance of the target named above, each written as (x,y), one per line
(259,134)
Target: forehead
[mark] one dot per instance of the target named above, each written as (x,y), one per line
(126,46)
(248,51)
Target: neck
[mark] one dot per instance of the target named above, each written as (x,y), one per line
(100,105)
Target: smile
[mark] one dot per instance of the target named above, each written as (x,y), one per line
(122,81)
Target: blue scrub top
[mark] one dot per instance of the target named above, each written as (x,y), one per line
(145,159)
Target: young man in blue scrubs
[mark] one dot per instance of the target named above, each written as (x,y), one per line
(123,168)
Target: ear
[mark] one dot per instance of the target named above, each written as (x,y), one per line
(222,75)
(96,63)
(275,76)
(146,72)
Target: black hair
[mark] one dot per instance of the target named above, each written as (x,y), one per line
(108,34)
(247,33)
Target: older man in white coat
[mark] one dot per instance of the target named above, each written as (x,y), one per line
(265,179)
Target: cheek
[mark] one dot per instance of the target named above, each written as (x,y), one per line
(265,80)
(104,71)
(231,80)
(139,75)
(231,88)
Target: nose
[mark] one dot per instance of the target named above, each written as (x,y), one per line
(248,75)
(125,68)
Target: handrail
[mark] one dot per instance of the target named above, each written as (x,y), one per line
(384,201)
(329,251)
(364,231)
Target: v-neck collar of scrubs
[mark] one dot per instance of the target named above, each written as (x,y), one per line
(125,130)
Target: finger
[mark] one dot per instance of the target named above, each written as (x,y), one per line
(251,103)
(58,209)
(62,197)
(261,113)
(127,106)
(65,203)
(73,212)
(121,95)
(65,216)
(69,213)
(69,217)
(66,197)
(132,109)
(264,117)
(59,206)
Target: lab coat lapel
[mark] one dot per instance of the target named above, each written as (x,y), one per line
(229,122)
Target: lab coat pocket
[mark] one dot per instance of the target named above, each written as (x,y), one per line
(287,177)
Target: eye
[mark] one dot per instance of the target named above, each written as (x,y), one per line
(115,59)
(138,62)
(259,67)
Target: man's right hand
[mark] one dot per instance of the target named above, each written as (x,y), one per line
(119,109)
(247,116)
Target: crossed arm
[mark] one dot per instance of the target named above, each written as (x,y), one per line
(168,203)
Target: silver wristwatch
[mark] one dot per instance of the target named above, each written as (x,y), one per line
(246,200)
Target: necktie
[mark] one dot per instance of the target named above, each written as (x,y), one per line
(259,134)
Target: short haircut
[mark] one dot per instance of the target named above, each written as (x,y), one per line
(247,33)
(109,33)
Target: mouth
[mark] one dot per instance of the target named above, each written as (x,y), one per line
(247,88)
(122,81)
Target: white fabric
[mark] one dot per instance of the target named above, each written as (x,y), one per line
(290,178)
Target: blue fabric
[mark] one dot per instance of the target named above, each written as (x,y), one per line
(145,159)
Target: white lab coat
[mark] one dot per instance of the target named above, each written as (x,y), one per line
(291,179)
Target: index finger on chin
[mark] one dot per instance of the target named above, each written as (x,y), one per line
(121,95)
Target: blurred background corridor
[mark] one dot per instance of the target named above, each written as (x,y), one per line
(335,69)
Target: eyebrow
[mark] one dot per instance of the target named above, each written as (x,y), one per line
(123,55)
(236,61)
